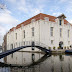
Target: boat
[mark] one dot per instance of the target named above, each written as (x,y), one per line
(68,51)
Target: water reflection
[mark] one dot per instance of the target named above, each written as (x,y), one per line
(33,57)
(61,57)
(43,58)
(43,63)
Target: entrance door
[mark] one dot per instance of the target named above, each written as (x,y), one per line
(61,44)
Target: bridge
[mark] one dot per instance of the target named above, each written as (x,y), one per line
(40,46)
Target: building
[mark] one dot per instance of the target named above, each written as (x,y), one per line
(4,46)
(0,48)
(52,31)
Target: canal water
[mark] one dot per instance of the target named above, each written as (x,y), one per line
(37,62)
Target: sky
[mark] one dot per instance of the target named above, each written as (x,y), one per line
(17,11)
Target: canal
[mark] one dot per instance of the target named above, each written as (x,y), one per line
(38,62)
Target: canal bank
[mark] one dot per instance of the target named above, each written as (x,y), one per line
(52,51)
(53,63)
(58,51)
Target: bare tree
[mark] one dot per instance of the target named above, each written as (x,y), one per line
(2,6)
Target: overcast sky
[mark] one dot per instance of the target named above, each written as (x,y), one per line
(17,11)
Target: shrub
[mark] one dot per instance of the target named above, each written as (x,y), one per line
(54,47)
(49,47)
(58,47)
(65,47)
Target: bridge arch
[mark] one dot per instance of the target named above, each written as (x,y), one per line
(40,46)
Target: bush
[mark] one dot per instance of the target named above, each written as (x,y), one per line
(65,47)
(54,47)
(58,47)
(49,47)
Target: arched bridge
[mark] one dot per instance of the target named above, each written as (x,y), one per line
(40,46)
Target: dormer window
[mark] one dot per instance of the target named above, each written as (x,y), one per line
(60,22)
(61,18)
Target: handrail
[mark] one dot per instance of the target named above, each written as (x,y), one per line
(35,42)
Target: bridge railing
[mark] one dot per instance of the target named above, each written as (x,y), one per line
(27,43)
(42,44)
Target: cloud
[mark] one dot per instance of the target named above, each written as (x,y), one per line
(70,21)
(36,11)
(69,9)
(22,9)
(28,7)
(2,32)
(7,21)
(12,1)
(68,6)
(57,13)
(62,0)
(6,18)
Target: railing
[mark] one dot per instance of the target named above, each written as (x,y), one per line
(36,43)
(26,43)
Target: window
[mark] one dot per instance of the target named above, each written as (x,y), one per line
(16,36)
(68,33)
(60,22)
(60,32)
(51,31)
(24,33)
(12,48)
(24,43)
(51,41)
(32,31)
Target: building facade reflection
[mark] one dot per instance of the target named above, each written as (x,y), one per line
(39,63)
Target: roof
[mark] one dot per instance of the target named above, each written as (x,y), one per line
(62,15)
(37,17)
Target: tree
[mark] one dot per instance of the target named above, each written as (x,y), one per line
(2,6)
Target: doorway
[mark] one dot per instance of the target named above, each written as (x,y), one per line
(61,44)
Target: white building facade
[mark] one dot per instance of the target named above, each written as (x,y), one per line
(41,28)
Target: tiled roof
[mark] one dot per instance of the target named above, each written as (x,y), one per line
(65,21)
(37,17)
(12,29)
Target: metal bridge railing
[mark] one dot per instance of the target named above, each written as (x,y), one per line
(29,43)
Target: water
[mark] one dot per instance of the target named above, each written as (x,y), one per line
(1,60)
(37,62)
